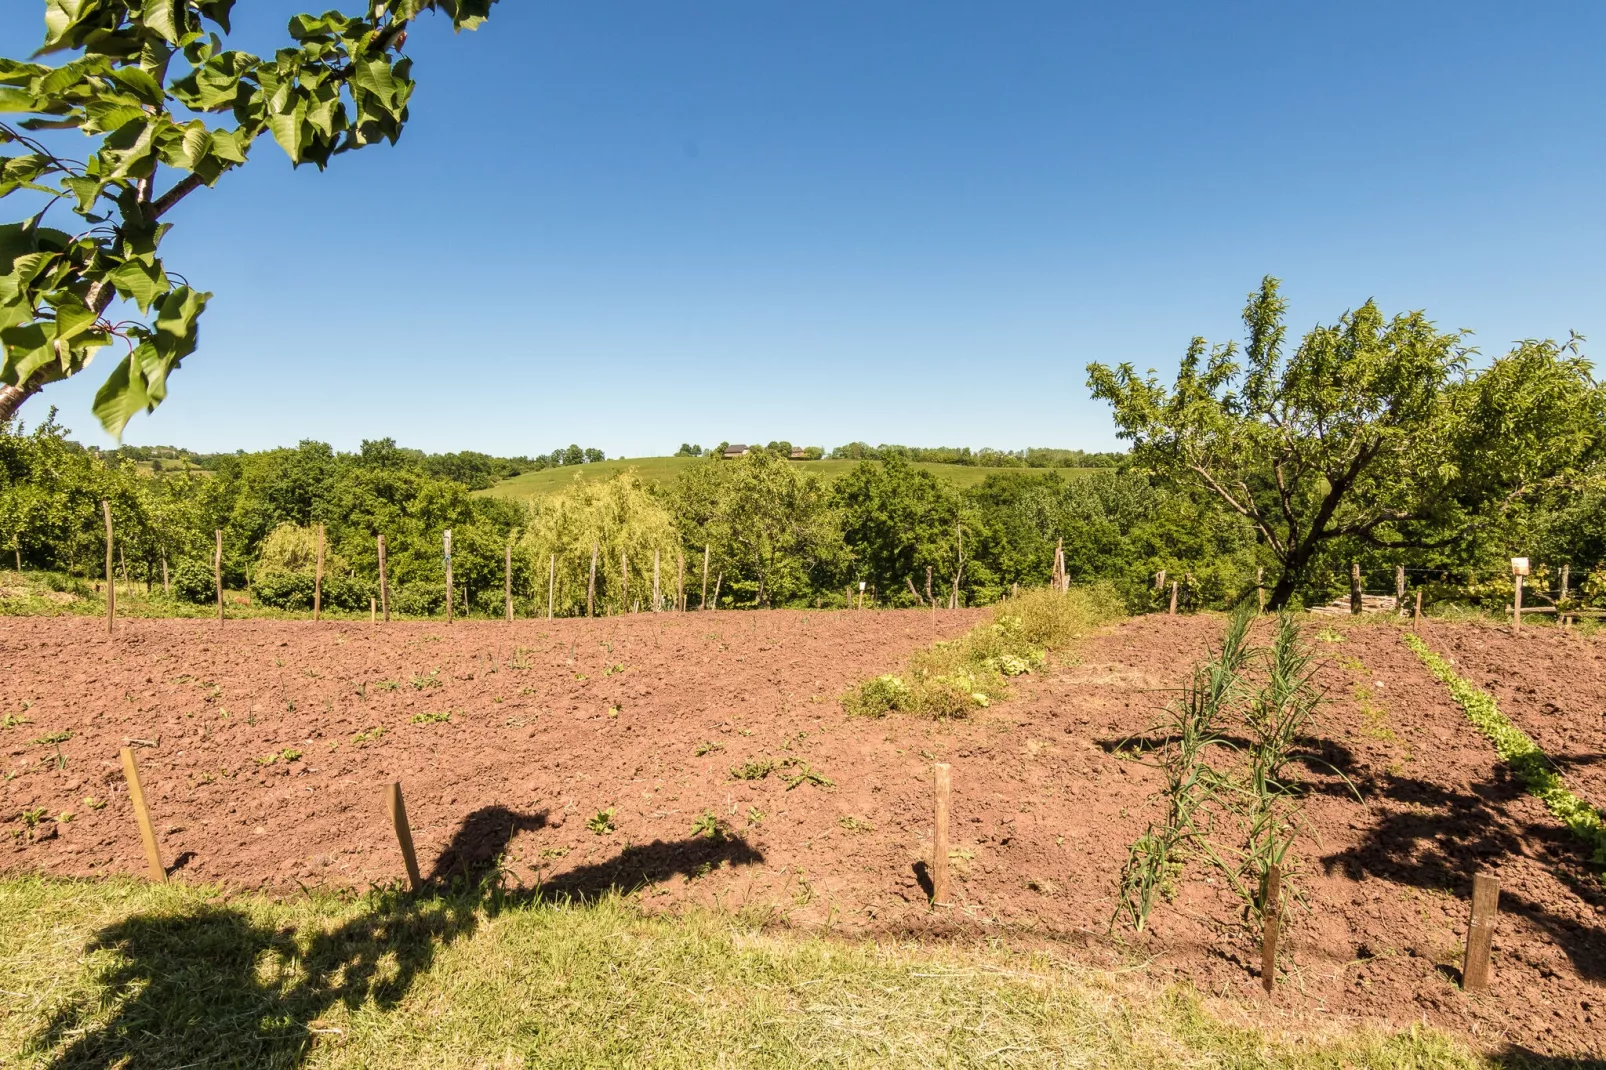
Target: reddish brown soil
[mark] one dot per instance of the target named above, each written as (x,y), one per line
(553,722)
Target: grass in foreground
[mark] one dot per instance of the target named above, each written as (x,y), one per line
(126,974)
(951,678)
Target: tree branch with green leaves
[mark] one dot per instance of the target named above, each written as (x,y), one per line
(1374,430)
(168,111)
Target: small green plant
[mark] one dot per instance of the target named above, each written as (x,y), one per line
(601,822)
(613,669)
(709,825)
(11,720)
(388,685)
(804,775)
(51,739)
(441,717)
(288,754)
(33,815)
(756,769)
(430,679)
(93,803)
(708,747)
(855,824)
(755,816)
(1330,635)
(368,735)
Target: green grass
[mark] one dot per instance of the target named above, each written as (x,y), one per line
(663,469)
(953,677)
(130,974)
(1534,771)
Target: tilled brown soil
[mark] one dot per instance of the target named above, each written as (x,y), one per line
(553,723)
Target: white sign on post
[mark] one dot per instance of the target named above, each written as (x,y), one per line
(1519,566)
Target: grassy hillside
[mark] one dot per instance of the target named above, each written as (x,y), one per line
(539,484)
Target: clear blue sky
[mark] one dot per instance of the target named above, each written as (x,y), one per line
(633,224)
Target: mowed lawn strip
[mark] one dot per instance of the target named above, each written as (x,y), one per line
(124,973)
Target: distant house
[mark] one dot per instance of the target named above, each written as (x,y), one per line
(735,449)
(799,453)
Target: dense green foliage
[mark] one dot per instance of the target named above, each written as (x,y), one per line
(1374,438)
(982,458)
(151,83)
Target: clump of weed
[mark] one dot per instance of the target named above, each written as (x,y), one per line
(855,824)
(288,754)
(51,739)
(429,679)
(708,747)
(954,677)
(757,769)
(442,717)
(710,826)
(368,735)
(601,822)
(755,816)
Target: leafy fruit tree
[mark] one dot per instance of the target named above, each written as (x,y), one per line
(148,84)
(1373,430)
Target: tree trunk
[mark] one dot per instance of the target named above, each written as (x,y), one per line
(11,399)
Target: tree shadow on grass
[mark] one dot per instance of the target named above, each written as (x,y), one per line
(214,984)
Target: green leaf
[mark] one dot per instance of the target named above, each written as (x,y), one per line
(140,282)
(159,16)
(121,396)
(17,100)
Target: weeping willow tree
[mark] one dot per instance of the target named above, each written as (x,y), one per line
(619,520)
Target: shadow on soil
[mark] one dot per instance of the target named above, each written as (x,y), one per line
(191,989)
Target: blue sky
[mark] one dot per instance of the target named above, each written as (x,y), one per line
(632,224)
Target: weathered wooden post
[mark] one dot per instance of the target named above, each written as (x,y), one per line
(507,582)
(1260,587)
(1172,611)
(624,582)
(167,588)
(704,603)
(217,574)
(591,585)
(1519,569)
(1564,579)
(1355,588)
(939,838)
(317,579)
(404,833)
(1399,589)
(1270,913)
(680,584)
(384,584)
(1480,932)
(111,588)
(1418,615)
(551,583)
(655,588)
(446,543)
(147,834)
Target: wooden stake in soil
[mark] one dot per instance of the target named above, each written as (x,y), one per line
(111,592)
(680,586)
(1564,578)
(704,603)
(1480,932)
(591,585)
(1399,589)
(217,574)
(167,588)
(551,582)
(404,834)
(1418,615)
(373,610)
(1355,588)
(655,589)
(384,584)
(507,582)
(447,542)
(939,838)
(719,580)
(624,582)
(317,581)
(1171,612)
(1270,912)
(136,795)
(1260,587)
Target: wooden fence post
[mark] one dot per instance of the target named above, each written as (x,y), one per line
(404,834)
(111,588)
(1355,588)
(551,582)
(384,583)
(680,585)
(217,574)
(624,582)
(1480,932)
(717,581)
(373,610)
(447,543)
(1270,913)
(1399,589)
(655,587)
(1516,606)
(147,834)
(704,603)
(1418,604)
(1564,579)
(591,585)
(1260,587)
(1172,611)
(317,581)
(167,588)
(939,837)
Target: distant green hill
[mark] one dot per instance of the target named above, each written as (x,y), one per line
(659,469)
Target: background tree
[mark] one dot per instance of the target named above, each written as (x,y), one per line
(898,520)
(1372,432)
(147,77)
